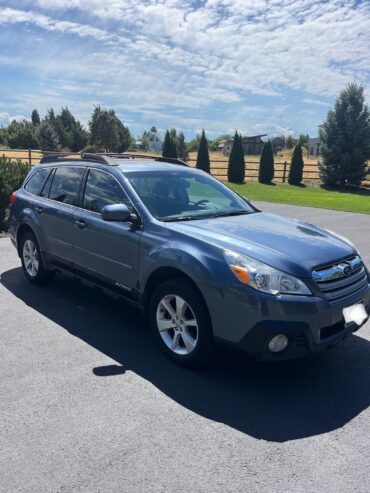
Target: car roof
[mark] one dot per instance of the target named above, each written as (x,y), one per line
(133,165)
(122,164)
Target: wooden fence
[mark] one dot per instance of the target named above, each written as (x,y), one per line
(218,166)
(281,170)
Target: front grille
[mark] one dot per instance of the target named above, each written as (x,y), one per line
(341,279)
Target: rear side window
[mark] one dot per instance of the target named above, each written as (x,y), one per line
(103,189)
(66,184)
(46,189)
(36,182)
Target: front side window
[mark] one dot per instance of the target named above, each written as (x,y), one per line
(65,185)
(36,182)
(103,189)
(180,195)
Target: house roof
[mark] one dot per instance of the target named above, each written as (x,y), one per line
(244,139)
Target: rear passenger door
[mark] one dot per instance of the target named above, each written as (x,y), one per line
(56,211)
(105,250)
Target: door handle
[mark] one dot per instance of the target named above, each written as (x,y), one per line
(39,210)
(80,224)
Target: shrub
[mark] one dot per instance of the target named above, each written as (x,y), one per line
(266,169)
(12,175)
(296,166)
(203,154)
(236,168)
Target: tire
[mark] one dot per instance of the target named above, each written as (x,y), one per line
(32,263)
(173,305)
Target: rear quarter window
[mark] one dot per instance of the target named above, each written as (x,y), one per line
(36,182)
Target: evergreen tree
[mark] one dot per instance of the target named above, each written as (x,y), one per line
(193,144)
(47,137)
(3,136)
(236,168)
(125,138)
(182,146)
(21,135)
(70,132)
(290,141)
(35,118)
(303,139)
(169,146)
(266,169)
(345,139)
(106,131)
(203,154)
(296,166)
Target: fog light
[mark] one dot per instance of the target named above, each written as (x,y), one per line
(278,343)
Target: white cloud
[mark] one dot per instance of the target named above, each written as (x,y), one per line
(6,118)
(154,55)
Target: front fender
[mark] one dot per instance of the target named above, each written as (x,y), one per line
(192,261)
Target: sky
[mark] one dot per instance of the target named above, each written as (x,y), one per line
(256,66)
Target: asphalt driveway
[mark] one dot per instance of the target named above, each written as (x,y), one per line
(88,403)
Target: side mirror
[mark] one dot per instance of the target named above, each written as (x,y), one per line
(115,212)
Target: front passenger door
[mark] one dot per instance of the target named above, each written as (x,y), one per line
(106,250)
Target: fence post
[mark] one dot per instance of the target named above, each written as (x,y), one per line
(284,172)
(30,157)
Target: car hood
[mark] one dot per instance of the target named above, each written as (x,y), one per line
(286,244)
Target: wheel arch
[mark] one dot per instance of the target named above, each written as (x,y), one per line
(162,274)
(23,229)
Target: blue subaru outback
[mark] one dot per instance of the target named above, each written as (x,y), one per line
(202,262)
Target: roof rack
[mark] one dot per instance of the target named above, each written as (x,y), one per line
(110,159)
(146,156)
(50,157)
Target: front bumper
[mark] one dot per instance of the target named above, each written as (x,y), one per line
(302,340)
(311,323)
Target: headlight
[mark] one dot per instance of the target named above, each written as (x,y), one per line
(262,277)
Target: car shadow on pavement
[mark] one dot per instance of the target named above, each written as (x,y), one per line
(275,402)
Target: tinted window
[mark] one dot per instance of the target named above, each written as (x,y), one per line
(36,182)
(103,189)
(178,194)
(46,188)
(65,185)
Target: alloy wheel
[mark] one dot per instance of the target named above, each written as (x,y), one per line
(31,258)
(177,324)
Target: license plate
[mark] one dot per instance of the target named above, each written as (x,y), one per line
(355,313)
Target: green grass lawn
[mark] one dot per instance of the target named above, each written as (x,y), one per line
(353,200)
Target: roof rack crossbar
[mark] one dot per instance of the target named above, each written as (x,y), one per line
(171,160)
(49,157)
(99,158)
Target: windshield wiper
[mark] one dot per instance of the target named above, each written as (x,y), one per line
(204,216)
(230,213)
(168,219)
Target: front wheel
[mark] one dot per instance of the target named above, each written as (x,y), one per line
(180,323)
(32,263)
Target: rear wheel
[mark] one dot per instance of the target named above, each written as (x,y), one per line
(180,323)
(32,263)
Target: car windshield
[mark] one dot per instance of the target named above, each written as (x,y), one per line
(185,195)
